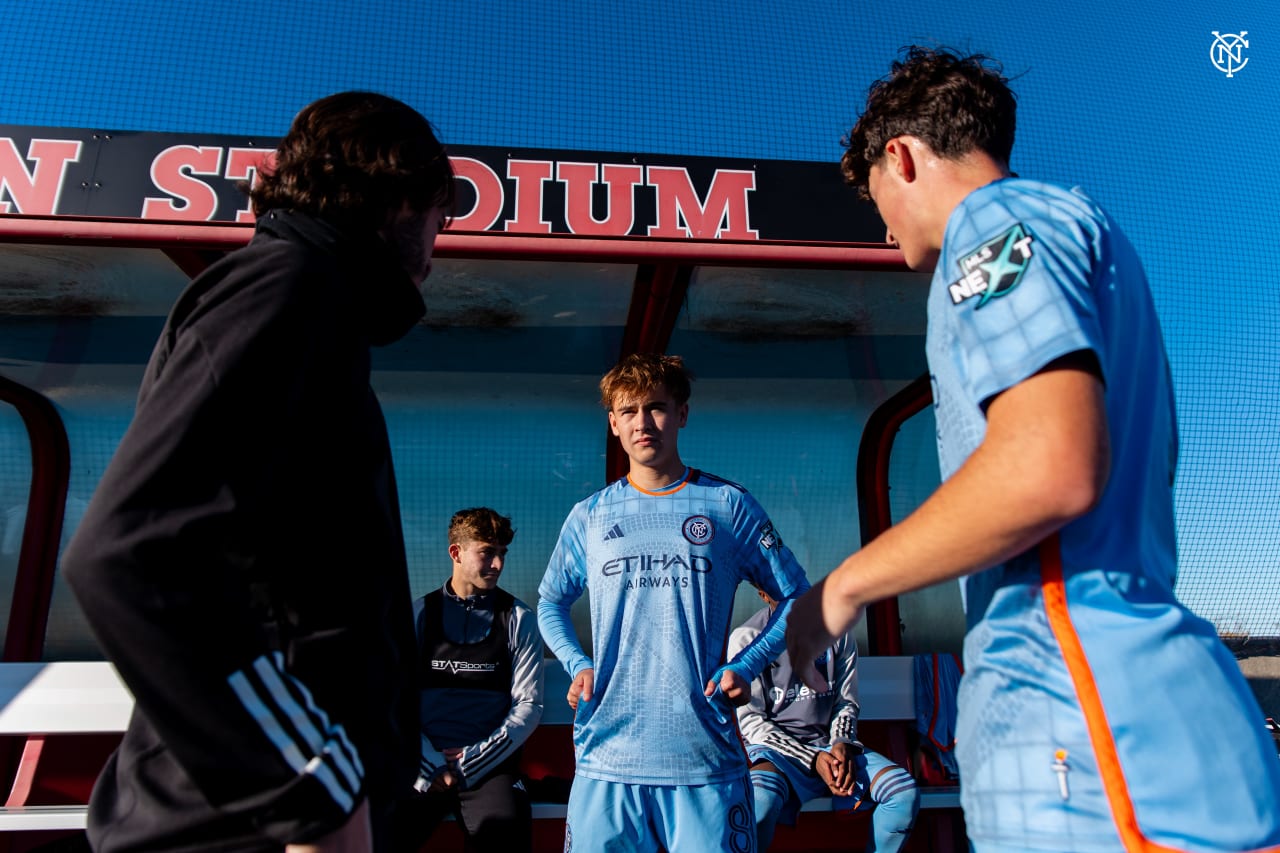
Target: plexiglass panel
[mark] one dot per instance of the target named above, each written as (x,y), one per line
(493,399)
(932,618)
(493,402)
(790,364)
(77,324)
(15,488)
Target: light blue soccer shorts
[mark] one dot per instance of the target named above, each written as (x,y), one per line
(614,816)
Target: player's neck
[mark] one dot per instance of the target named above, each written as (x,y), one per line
(656,479)
(956,179)
(462,588)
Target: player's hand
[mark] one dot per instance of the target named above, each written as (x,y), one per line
(836,773)
(354,836)
(824,766)
(452,753)
(584,683)
(734,687)
(447,780)
(810,631)
(844,774)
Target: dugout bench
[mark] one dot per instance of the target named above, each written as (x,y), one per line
(59,722)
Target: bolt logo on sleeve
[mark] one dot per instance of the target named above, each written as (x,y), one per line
(994,269)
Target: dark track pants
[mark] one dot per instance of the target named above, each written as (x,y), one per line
(495,815)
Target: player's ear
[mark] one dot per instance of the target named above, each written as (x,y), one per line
(683,414)
(613,423)
(454,550)
(900,158)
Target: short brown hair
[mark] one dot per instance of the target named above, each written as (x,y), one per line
(480,524)
(956,104)
(357,157)
(640,373)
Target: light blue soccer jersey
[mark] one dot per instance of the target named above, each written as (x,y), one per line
(662,569)
(1081,646)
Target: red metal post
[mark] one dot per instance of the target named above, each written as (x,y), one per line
(884,635)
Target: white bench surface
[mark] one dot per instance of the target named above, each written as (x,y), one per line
(42,818)
(67,697)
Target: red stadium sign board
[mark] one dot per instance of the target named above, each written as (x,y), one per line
(188,178)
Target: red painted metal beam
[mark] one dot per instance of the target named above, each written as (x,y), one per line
(225,236)
(656,299)
(884,634)
(50,474)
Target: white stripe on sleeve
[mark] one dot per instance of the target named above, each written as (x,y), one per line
(275,698)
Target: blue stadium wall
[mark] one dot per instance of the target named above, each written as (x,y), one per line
(1161,112)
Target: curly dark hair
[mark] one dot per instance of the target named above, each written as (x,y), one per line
(956,104)
(357,157)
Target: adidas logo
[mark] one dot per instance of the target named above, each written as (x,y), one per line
(615,532)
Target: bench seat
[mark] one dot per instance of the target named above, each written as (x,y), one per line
(59,722)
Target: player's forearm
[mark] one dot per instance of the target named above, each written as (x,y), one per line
(971,523)
(757,728)
(557,632)
(478,760)
(844,721)
(1043,463)
(844,726)
(765,647)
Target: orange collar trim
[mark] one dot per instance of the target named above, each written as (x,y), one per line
(665,490)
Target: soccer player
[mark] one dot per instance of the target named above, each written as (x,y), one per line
(803,744)
(480,673)
(662,551)
(1096,712)
(242,560)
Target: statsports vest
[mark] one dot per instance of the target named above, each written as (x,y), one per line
(470,683)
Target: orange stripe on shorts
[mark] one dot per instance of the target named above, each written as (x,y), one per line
(1095,716)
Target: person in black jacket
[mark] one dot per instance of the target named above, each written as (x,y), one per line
(242,561)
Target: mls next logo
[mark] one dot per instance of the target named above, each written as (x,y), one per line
(994,269)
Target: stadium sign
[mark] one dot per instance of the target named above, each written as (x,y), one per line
(195,178)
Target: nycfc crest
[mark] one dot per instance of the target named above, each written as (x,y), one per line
(698,529)
(1227,52)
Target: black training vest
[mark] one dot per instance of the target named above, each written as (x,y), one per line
(485,665)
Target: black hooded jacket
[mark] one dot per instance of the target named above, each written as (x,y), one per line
(242,561)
